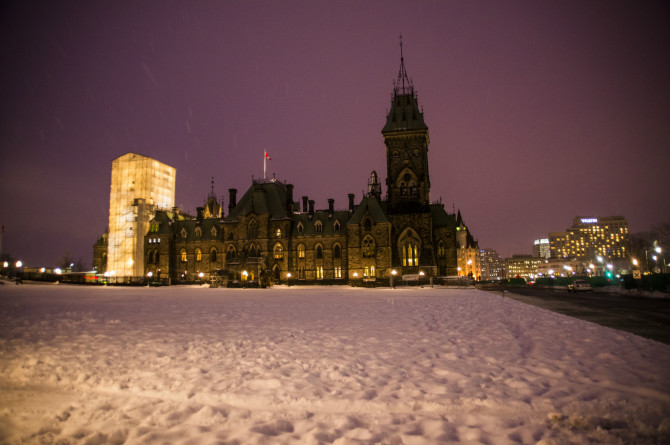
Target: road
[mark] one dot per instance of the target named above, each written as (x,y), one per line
(646,317)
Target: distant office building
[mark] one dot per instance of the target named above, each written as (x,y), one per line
(541,248)
(591,237)
(493,266)
(140,185)
(522,266)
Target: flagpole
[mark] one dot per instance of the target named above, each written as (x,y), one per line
(265,159)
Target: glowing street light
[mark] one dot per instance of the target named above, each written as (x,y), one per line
(150,274)
(19,264)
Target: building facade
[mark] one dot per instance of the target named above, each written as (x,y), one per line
(492,264)
(542,248)
(522,266)
(591,237)
(139,186)
(268,235)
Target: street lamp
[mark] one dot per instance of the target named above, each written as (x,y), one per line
(288,279)
(393,274)
(244,279)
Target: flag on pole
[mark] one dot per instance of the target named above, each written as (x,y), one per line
(267,156)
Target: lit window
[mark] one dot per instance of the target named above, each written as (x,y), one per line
(301,251)
(278,252)
(183,255)
(319,273)
(338,272)
(278,233)
(198,255)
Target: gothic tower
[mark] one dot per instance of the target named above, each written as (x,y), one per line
(406,138)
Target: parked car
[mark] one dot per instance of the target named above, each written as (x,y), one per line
(580,286)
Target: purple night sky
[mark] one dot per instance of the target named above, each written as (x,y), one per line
(537,111)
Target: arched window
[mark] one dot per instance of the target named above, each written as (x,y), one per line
(441,251)
(337,251)
(252,230)
(410,255)
(368,247)
(183,233)
(319,272)
(319,252)
(336,227)
(367,224)
(318,226)
(198,232)
(213,256)
(150,257)
(213,232)
(300,227)
(198,253)
(182,255)
(301,251)
(278,251)
(231,253)
(278,233)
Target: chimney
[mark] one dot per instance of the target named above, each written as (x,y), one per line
(311,207)
(289,198)
(304,204)
(331,205)
(232,199)
(351,202)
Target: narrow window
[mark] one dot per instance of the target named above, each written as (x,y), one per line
(198,254)
(301,251)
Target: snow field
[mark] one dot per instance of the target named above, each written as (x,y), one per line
(341,365)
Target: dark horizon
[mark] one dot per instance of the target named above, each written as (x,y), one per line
(537,112)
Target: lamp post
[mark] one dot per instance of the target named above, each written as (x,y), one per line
(393,274)
(244,278)
(288,279)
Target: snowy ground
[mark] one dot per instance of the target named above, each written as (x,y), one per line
(96,365)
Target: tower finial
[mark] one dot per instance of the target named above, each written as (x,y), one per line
(403,85)
(211,193)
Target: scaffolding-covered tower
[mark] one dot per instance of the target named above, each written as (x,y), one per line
(140,185)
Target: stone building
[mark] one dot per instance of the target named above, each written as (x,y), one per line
(270,235)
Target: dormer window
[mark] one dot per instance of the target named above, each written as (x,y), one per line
(318,226)
(183,233)
(198,232)
(214,232)
(336,226)
(301,228)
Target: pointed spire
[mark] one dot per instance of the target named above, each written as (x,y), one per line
(211,193)
(403,85)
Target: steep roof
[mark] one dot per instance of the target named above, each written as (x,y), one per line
(371,205)
(440,217)
(263,197)
(404,114)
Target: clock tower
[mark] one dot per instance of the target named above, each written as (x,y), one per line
(406,138)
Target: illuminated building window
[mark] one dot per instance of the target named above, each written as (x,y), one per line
(301,251)
(409,255)
(278,251)
(182,255)
(278,233)
(338,272)
(319,273)
(198,255)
